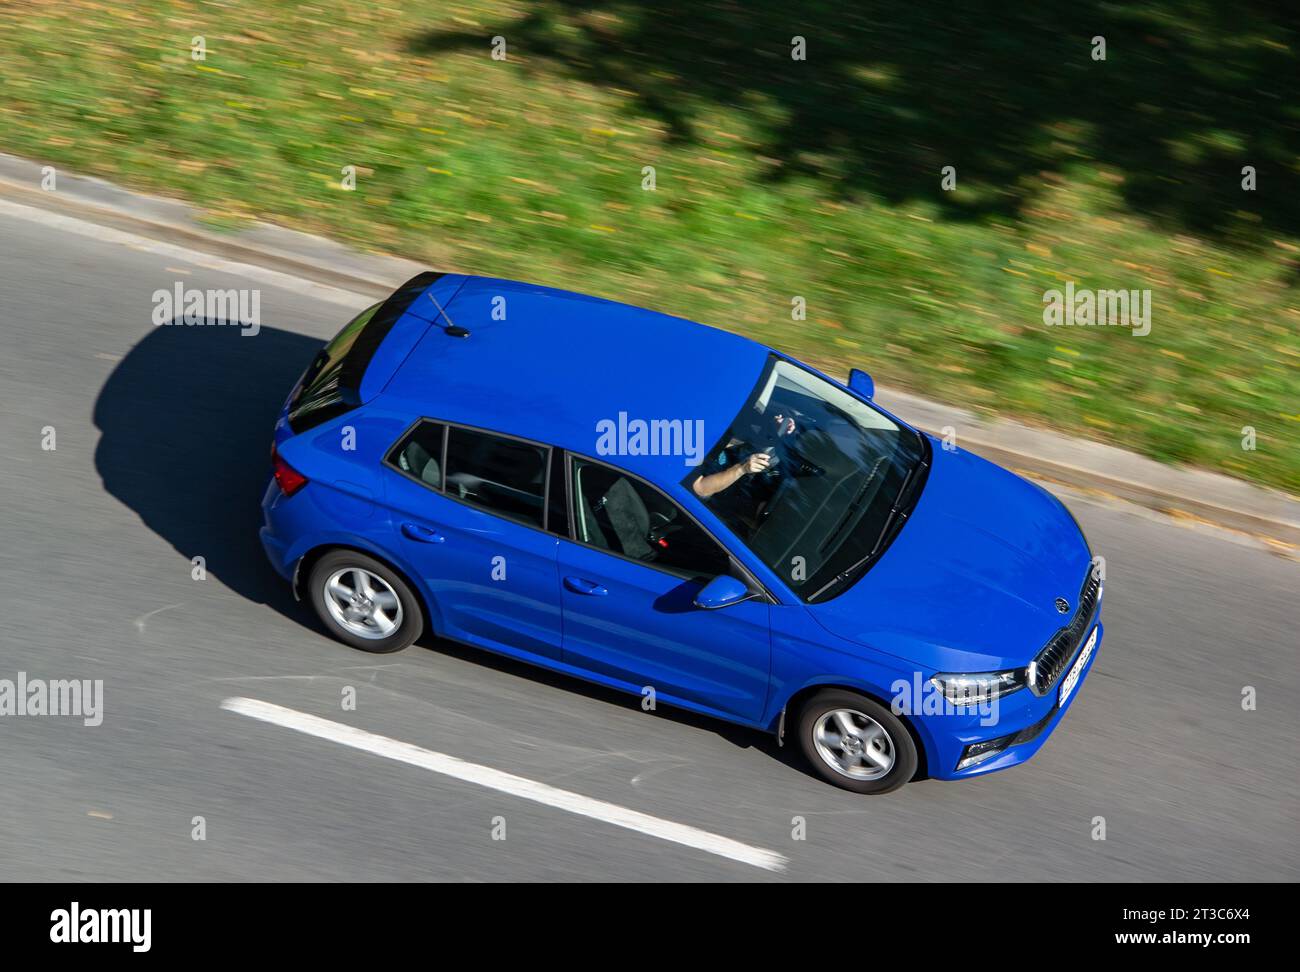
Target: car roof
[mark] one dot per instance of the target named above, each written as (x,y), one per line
(559,363)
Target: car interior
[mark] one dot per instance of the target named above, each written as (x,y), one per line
(415,459)
(504,475)
(627,517)
(615,512)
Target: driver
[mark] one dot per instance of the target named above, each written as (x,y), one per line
(737,469)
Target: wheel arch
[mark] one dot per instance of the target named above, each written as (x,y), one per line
(799,698)
(302,570)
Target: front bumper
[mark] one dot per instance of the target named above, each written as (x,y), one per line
(1030,719)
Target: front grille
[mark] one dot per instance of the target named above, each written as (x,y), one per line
(1060,648)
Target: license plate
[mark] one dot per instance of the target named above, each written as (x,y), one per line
(1072,679)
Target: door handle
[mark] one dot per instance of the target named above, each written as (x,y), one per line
(580,586)
(423,534)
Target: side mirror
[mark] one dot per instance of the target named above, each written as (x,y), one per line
(860,382)
(723,591)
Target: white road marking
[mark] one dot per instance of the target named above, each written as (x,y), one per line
(207,261)
(139,622)
(506,783)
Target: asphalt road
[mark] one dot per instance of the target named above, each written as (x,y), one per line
(162,439)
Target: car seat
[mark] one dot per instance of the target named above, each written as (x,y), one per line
(416,460)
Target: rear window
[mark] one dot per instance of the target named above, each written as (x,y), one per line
(321,395)
(332,382)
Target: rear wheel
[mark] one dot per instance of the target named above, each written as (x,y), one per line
(364,603)
(855,742)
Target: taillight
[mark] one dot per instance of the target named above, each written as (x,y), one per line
(287,478)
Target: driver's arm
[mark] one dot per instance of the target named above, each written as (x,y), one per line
(716,482)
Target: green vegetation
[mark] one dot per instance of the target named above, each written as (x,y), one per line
(776,178)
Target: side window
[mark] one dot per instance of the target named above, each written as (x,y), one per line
(625,516)
(419,453)
(498,474)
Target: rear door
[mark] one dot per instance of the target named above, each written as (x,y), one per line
(628,582)
(470,509)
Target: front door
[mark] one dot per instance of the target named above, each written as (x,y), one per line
(628,585)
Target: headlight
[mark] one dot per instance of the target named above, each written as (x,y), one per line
(968,690)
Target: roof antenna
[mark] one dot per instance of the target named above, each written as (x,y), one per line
(450,329)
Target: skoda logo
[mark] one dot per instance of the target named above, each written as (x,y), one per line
(1062,605)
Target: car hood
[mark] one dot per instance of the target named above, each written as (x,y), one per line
(971,581)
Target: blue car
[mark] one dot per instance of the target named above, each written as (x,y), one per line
(683,514)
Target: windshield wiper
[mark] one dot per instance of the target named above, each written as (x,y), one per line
(853,506)
(893,522)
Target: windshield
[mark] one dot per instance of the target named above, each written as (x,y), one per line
(813,480)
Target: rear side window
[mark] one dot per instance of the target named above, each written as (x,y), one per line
(419,454)
(498,474)
(321,396)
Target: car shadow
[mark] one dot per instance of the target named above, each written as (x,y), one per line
(742,737)
(739,736)
(185,421)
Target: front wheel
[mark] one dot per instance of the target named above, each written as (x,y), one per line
(364,603)
(855,742)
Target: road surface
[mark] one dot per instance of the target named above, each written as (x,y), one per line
(161,441)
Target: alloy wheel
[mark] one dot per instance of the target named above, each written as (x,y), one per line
(363,603)
(853,744)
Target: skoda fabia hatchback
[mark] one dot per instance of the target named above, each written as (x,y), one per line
(666,508)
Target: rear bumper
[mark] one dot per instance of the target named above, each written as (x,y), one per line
(1027,718)
(274,541)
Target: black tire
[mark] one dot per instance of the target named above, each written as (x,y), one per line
(408,628)
(899,741)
